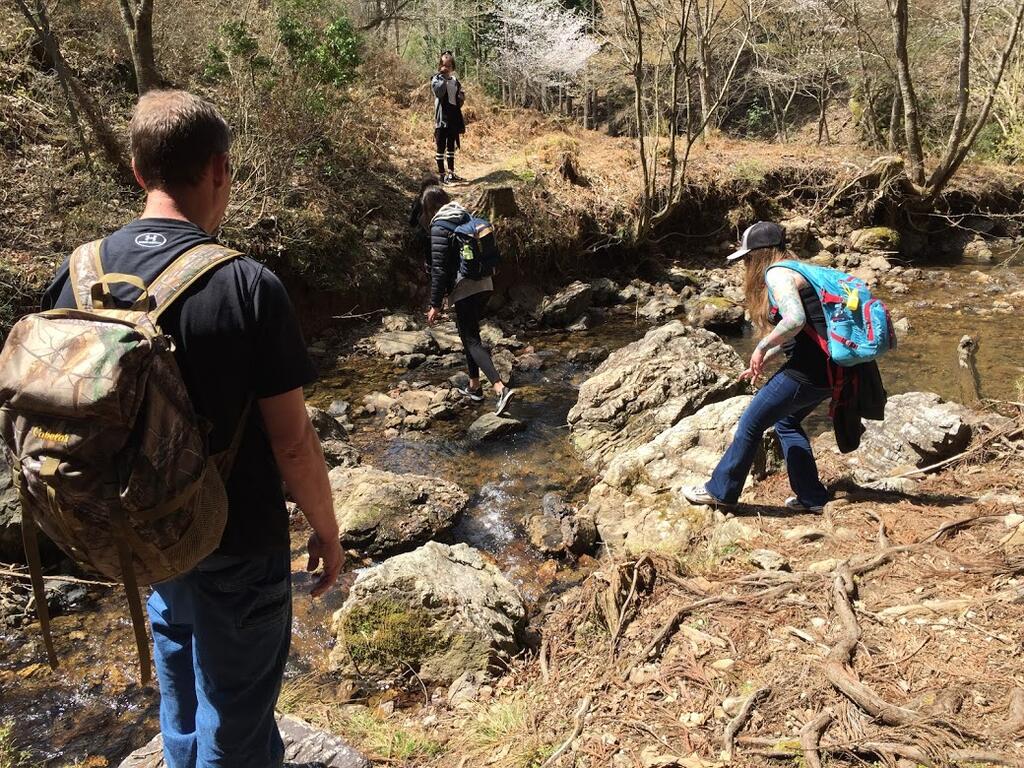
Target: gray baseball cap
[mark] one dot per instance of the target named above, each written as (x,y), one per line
(763,234)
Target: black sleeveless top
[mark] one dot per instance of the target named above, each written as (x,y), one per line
(806,363)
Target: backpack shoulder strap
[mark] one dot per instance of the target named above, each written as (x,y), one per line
(184,271)
(85,269)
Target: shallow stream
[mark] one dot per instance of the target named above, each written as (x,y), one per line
(92,706)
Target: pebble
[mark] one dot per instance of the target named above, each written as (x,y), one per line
(803,533)
(768,560)
(723,665)
(824,566)
(818,622)
(1013,520)
(733,704)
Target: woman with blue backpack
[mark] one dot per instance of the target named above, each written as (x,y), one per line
(823,322)
(462,261)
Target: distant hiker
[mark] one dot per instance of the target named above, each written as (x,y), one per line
(448,123)
(221,631)
(449,249)
(793,296)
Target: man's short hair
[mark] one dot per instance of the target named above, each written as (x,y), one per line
(174,134)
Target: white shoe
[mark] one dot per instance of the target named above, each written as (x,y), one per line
(798,506)
(698,494)
(503,400)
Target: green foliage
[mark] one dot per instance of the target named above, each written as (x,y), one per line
(325,52)
(757,121)
(215,67)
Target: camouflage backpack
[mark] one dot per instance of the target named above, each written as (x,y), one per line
(106,451)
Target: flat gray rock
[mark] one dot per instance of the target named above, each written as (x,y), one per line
(304,745)
(493,427)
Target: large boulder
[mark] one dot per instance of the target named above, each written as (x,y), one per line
(303,745)
(438,611)
(637,504)
(920,429)
(380,513)
(567,305)
(647,386)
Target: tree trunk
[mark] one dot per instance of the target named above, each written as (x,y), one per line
(138,26)
(915,155)
(893,120)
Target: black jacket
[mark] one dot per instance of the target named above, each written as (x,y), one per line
(444,253)
(863,397)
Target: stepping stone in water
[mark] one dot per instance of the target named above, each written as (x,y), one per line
(304,747)
(493,427)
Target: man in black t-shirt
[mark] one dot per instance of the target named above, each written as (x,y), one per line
(221,632)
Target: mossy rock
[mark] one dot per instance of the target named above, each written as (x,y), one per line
(383,632)
(875,239)
(438,612)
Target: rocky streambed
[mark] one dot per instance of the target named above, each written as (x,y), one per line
(462,526)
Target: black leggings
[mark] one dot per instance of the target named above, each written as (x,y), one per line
(445,139)
(467,319)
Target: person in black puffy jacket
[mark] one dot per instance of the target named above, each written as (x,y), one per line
(467,296)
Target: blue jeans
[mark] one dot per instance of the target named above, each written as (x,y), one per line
(220,636)
(785,403)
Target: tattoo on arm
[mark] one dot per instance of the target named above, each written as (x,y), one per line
(786,291)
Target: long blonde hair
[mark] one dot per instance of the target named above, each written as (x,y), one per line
(755,289)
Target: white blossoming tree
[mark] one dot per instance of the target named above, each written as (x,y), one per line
(539,45)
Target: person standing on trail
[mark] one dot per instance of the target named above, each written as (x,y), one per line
(221,632)
(467,296)
(793,392)
(448,122)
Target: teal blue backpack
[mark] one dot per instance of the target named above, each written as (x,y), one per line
(857,325)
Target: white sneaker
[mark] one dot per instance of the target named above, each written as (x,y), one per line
(698,494)
(503,400)
(798,506)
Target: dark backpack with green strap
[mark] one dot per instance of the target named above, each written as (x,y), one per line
(107,453)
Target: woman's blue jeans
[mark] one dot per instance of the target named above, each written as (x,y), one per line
(784,402)
(221,635)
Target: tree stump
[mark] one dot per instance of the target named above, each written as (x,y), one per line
(567,170)
(968,379)
(497,203)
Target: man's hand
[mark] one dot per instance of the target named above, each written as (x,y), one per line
(433,315)
(333,558)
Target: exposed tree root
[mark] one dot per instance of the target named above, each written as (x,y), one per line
(737,723)
(810,738)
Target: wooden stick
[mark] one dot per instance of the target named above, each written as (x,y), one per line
(12,574)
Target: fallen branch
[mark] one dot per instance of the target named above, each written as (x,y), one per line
(12,574)
(737,723)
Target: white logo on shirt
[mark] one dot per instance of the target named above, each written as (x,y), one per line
(150,240)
